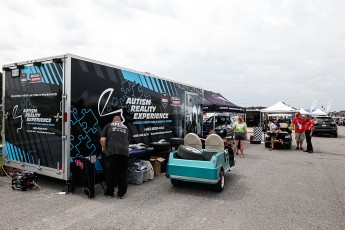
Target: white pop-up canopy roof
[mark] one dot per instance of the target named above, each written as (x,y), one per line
(303,111)
(279,107)
(318,112)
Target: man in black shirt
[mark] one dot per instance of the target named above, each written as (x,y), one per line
(114,141)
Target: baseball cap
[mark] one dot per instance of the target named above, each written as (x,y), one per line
(298,113)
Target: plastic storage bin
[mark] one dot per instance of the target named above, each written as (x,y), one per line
(135,177)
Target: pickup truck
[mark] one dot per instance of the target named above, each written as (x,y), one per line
(191,163)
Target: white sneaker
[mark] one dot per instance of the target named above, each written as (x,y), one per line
(232,168)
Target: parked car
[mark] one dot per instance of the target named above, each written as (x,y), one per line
(325,125)
(222,125)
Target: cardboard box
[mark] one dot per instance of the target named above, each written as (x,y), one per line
(156,163)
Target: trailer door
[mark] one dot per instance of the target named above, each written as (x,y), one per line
(33,117)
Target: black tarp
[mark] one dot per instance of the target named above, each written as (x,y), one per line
(216,102)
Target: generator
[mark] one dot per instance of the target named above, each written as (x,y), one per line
(24,180)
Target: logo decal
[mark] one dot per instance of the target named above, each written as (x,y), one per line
(165,99)
(35,78)
(23,79)
(101,111)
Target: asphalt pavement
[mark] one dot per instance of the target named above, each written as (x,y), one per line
(282,189)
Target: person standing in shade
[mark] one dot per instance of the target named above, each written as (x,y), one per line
(299,124)
(240,130)
(115,145)
(309,127)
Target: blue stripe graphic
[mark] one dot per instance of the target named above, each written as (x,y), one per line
(175,89)
(44,77)
(13,153)
(158,86)
(165,84)
(143,81)
(48,73)
(164,90)
(171,88)
(18,153)
(27,154)
(8,153)
(22,153)
(152,83)
(52,71)
(148,82)
(57,70)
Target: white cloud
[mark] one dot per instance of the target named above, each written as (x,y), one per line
(253,52)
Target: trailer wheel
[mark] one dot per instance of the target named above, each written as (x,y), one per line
(176,183)
(160,146)
(176,141)
(190,153)
(221,183)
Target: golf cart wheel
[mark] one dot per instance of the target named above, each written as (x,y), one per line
(190,153)
(220,185)
(176,183)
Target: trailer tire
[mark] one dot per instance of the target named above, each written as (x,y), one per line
(190,153)
(176,141)
(160,146)
(176,183)
(221,183)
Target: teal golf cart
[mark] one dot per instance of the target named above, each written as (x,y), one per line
(191,163)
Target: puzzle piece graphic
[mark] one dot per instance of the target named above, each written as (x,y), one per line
(74,118)
(85,146)
(88,121)
(72,143)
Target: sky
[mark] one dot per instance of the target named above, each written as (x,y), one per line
(254,53)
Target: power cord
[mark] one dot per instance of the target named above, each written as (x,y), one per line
(3,169)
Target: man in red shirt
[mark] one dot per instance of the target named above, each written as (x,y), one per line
(299,124)
(309,127)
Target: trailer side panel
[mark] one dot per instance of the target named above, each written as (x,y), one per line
(151,107)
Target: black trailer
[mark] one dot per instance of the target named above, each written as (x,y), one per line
(55,108)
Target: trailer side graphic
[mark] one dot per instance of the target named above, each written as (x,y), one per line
(32,115)
(55,109)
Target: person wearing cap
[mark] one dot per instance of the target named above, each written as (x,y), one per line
(309,127)
(299,123)
(115,143)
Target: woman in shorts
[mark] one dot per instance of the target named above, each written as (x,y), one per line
(240,130)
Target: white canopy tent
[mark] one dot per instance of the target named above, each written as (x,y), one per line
(303,111)
(277,108)
(318,112)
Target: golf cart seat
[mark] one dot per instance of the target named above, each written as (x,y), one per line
(213,144)
(284,125)
(192,140)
